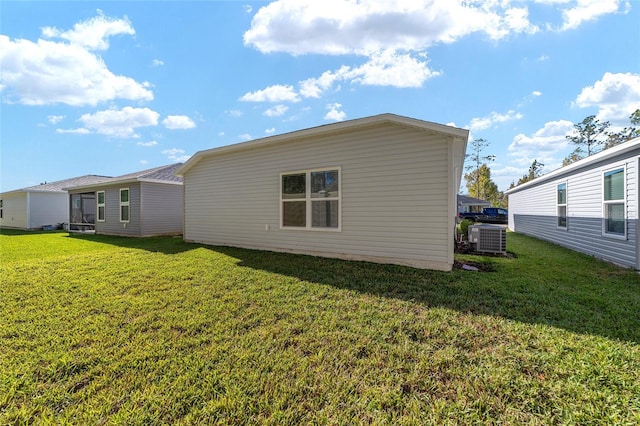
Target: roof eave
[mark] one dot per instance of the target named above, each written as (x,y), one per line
(600,156)
(454,132)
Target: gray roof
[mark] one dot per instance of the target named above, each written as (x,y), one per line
(162,174)
(465,199)
(58,186)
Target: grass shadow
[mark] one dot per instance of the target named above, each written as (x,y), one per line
(541,284)
(604,301)
(165,245)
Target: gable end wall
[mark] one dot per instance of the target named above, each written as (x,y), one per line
(396,184)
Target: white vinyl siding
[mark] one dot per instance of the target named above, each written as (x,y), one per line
(533,211)
(15,211)
(112,224)
(100,199)
(33,210)
(48,208)
(154,209)
(161,209)
(614,223)
(395,185)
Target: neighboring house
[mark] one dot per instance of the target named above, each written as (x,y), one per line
(379,189)
(468,204)
(590,206)
(141,204)
(40,205)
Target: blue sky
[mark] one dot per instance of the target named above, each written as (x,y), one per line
(110,88)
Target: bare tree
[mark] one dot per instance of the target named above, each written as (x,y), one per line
(587,134)
(477,159)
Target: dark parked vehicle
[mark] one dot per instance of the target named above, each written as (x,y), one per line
(488,215)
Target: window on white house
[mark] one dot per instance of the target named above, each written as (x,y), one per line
(311,199)
(561,201)
(101,205)
(124,205)
(614,203)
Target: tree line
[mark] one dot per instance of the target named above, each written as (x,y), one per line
(590,136)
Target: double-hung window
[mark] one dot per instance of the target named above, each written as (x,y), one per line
(124,205)
(561,202)
(310,199)
(614,203)
(101,205)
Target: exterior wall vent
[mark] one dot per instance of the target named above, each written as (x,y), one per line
(488,238)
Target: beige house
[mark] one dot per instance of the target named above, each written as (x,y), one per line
(380,189)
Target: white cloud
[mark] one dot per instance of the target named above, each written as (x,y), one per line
(543,58)
(275,93)
(93,33)
(147,144)
(144,162)
(389,68)
(157,63)
(245,137)
(386,68)
(48,72)
(392,35)
(589,10)
(120,123)
(55,119)
(235,113)
(341,27)
(529,98)
(270,131)
(483,123)
(78,131)
(176,154)
(173,122)
(248,8)
(276,111)
(615,95)
(548,145)
(334,113)
(314,87)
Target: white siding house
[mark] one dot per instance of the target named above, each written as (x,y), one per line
(590,206)
(40,205)
(379,189)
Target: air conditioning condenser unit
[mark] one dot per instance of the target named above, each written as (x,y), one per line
(488,238)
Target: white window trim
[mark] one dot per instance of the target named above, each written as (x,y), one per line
(565,205)
(308,200)
(103,205)
(622,166)
(122,204)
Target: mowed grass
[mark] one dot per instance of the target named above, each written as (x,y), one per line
(108,330)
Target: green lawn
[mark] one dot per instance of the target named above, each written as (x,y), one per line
(108,330)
